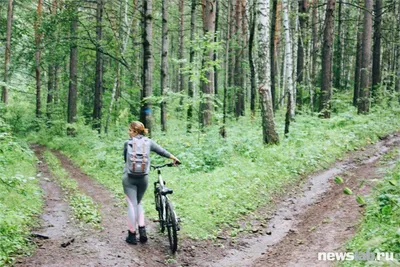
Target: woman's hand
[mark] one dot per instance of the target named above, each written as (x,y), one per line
(175,160)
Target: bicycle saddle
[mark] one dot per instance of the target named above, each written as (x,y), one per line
(166,191)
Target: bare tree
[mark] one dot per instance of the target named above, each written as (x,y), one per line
(4,96)
(326,88)
(267,113)
(363,104)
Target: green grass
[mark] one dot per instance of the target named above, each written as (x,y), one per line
(20,197)
(380,228)
(221,180)
(85,210)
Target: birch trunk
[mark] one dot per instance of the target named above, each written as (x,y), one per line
(191,60)
(164,60)
(264,79)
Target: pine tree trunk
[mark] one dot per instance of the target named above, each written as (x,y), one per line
(191,60)
(4,96)
(357,70)
(338,64)
(73,66)
(363,104)
(147,91)
(51,68)
(267,114)
(226,82)
(251,60)
(215,51)
(207,87)
(238,79)
(376,60)
(38,41)
(164,60)
(326,90)
(98,90)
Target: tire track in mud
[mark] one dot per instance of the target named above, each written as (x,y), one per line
(71,245)
(319,217)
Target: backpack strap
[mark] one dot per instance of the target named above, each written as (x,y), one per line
(133,155)
(144,154)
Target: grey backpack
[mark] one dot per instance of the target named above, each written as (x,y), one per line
(138,156)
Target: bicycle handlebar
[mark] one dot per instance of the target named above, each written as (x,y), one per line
(171,164)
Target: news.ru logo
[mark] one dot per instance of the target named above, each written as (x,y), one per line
(358,256)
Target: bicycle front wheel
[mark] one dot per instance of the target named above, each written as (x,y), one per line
(160,210)
(172,226)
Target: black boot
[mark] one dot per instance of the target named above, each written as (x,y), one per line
(131,238)
(142,234)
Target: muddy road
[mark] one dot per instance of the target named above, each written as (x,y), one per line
(312,217)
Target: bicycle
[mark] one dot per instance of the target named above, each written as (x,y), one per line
(166,213)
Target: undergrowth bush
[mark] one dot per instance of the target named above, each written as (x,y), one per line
(20,195)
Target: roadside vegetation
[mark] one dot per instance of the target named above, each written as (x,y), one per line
(20,196)
(379,230)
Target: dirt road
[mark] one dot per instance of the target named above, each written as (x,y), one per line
(313,217)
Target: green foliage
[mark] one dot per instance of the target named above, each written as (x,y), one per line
(379,230)
(20,196)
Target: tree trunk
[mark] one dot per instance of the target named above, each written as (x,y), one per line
(288,57)
(181,51)
(164,60)
(226,82)
(147,91)
(363,104)
(357,70)
(51,67)
(376,56)
(191,59)
(303,10)
(98,92)
(326,90)
(38,40)
(207,87)
(272,52)
(73,66)
(267,114)
(314,23)
(251,60)
(4,96)
(215,51)
(238,77)
(338,64)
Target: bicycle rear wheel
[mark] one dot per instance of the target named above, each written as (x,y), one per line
(160,210)
(172,226)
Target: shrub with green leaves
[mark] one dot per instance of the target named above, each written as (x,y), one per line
(20,196)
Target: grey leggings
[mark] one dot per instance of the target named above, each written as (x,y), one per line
(134,189)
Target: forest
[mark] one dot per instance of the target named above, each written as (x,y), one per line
(285,115)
